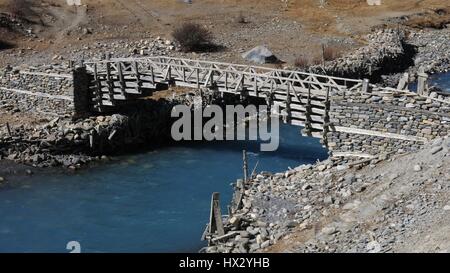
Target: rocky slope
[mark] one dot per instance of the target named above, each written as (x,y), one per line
(396,204)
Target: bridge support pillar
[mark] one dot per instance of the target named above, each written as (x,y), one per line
(81,94)
(422,80)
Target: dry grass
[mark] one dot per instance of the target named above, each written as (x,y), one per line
(301,62)
(19,8)
(437,19)
(331,53)
(241,19)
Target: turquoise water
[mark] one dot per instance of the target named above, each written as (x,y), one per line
(442,80)
(152,202)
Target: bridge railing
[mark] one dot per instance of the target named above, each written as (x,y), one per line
(195,72)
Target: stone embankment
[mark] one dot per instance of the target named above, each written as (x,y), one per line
(367,130)
(62,141)
(384,53)
(385,122)
(42,92)
(391,52)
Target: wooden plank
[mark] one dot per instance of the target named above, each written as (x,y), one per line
(215,217)
(37,94)
(109,82)
(121,80)
(138,78)
(352,154)
(358,131)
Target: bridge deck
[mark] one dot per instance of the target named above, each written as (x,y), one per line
(302,97)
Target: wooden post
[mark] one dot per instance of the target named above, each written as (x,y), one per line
(110,83)
(91,139)
(422,79)
(323,54)
(138,78)
(308,113)
(121,79)
(288,106)
(326,118)
(245,165)
(403,83)
(153,74)
(215,217)
(98,93)
(226,81)
(255,85)
(198,78)
(365,86)
(9,129)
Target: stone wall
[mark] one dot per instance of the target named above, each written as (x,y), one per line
(383,122)
(37,91)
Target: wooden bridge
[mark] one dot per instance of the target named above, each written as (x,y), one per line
(303,98)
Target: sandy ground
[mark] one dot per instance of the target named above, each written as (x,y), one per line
(290,28)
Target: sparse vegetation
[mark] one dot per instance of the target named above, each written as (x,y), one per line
(331,53)
(438,19)
(19,8)
(193,37)
(241,19)
(301,62)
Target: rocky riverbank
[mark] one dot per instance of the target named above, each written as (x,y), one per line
(60,141)
(391,52)
(372,205)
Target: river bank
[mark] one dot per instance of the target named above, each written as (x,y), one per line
(379,205)
(390,53)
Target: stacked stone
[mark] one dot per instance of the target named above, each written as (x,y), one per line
(384,47)
(401,113)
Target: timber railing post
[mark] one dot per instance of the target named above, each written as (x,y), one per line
(98,89)
(287,118)
(110,83)
(365,86)
(308,109)
(422,78)
(245,165)
(82,95)
(138,78)
(215,217)
(198,78)
(326,118)
(121,79)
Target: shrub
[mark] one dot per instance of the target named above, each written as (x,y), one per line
(192,37)
(19,8)
(241,19)
(330,53)
(301,62)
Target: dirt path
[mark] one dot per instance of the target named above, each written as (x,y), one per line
(79,18)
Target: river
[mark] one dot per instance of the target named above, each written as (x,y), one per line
(151,202)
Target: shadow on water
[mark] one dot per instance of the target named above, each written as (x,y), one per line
(150,202)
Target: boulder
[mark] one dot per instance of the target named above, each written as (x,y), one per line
(260,55)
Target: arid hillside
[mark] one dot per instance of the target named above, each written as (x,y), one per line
(289,27)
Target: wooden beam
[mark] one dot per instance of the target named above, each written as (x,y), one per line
(215,217)
(358,131)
